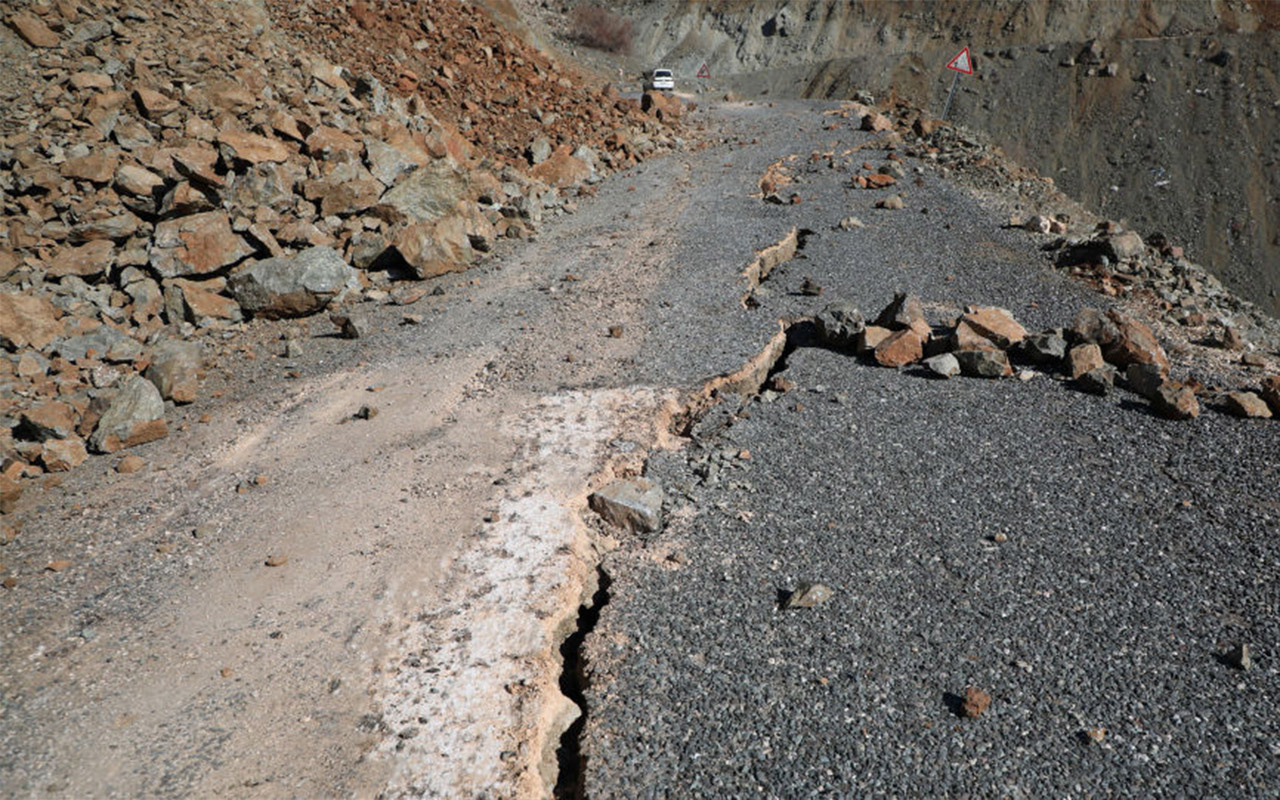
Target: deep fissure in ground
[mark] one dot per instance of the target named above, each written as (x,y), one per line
(570,783)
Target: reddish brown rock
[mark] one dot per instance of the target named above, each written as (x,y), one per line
(203,303)
(1247,404)
(1133,343)
(435,248)
(899,349)
(91,80)
(324,143)
(662,106)
(33,30)
(876,122)
(196,245)
(976,702)
(1270,393)
(95,167)
(49,420)
(154,104)
(250,148)
(93,258)
(870,337)
(1175,401)
(879,181)
(901,312)
(61,455)
(130,464)
(10,493)
(995,324)
(966,337)
(562,169)
(27,321)
(1084,358)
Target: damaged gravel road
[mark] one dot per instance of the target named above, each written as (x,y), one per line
(429,559)
(1087,565)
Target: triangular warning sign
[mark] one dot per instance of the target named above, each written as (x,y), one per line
(961,63)
(704,72)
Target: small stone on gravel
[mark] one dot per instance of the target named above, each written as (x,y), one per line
(808,595)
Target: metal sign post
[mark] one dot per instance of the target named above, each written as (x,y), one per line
(961,64)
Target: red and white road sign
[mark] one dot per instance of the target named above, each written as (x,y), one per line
(704,72)
(962,62)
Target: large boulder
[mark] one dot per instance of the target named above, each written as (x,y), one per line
(428,193)
(135,416)
(292,286)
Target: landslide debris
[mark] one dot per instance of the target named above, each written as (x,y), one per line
(171,170)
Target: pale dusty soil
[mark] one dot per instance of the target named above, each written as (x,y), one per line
(170,659)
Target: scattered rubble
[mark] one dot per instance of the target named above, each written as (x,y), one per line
(986,342)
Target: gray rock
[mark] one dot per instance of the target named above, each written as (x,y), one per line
(539,151)
(1240,657)
(945,365)
(1099,380)
(1044,348)
(107,342)
(292,286)
(175,370)
(808,595)
(387,163)
(983,363)
(904,310)
(1144,379)
(428,193)
(634,504)
(131,418)
(840,323)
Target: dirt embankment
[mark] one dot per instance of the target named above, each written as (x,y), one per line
(1163,114)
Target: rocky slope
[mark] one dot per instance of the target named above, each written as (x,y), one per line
(1163,114)
(171,170)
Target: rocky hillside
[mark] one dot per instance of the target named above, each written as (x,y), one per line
(1163,113)
(171,170)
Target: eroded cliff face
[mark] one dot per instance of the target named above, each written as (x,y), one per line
(1165,115)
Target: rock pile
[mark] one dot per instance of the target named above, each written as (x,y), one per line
(171,169)
(1095,351)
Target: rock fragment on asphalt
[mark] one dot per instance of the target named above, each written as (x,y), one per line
(1246,405)
(944,365)
(984,363)
(809,594)
(839,325)
(976,702)
(634,504)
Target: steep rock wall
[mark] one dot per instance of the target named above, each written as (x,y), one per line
(1183,139)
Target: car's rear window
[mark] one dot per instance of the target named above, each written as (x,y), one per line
(662,73)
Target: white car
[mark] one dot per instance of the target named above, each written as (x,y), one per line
(662,79)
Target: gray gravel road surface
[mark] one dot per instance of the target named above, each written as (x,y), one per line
(1085,563)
